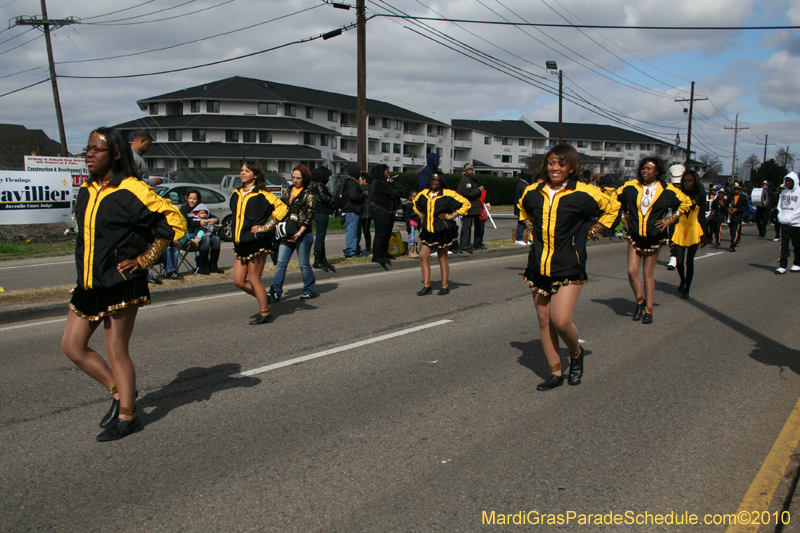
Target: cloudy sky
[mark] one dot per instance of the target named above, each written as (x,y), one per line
(626,77)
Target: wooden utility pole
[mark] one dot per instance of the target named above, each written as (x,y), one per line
(765,143)
(735,129)
(361,104)
(560,100)
(691,101)
(45,24)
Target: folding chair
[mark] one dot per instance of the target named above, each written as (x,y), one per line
(184,260)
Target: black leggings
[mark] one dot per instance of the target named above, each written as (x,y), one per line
(688,259)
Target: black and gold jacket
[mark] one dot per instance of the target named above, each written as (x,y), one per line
(560,228)
(446,201)
(117,222)
(253,209)
(667,197)
(304,203)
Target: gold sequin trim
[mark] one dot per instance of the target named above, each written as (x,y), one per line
(142,300)
(271,223)
(127,410)
(437,245)
(554,284)
(112,390)
(153,253)
(646,251)
(555,368)
(99,136)
(252,256)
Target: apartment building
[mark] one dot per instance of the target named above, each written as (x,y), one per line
(499,147)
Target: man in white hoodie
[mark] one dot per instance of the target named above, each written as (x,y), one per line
(789,217)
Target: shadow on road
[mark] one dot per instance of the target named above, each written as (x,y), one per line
(621,306)
(770,268)
(195,384)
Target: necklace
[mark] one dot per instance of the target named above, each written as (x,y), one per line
(555,188)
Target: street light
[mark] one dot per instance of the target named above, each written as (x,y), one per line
(553,66)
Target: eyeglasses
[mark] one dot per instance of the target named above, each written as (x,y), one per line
(94,150)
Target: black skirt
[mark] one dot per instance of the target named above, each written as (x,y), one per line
(94,304)
(547,285)
(646,245)
(246,251)
(439,239)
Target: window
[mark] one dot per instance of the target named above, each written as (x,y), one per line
(289,110)
(630,146)
(508,141)
(199,135)
(212,106)
(398,125)
(439,152)
(371,122)
(333,143)
(194,106)
(310,138)
(309,112)
(200,163)
(497,156)
(506,159)
(647,147)
(372,147)
(386,147)
(249,136)
(630,163)
(582,144)
(154,109)
(323,139)
(487,140)
(430,130)
(398,148)
(282,166)
(231,136)
(175,135)
(267,109)
(439,130)
(344,145)
(345,119)
(333,116)
(524,142)
(265,136)
(387,123)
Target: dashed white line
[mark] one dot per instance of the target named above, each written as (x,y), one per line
(323,353)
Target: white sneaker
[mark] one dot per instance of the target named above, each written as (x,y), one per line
(673,262)
(795,268)
(776,239)
(780,270)
(521,243)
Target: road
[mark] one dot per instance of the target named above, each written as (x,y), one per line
(41,272)
(423,431)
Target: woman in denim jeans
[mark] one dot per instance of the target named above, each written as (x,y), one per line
(301,201)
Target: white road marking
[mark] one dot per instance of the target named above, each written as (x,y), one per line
(40,265)
(708,255)
(323,353)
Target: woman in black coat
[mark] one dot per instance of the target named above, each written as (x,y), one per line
(324,210)
(384,197)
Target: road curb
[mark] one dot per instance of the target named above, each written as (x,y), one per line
(23,313)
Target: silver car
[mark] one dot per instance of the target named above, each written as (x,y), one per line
(211,195)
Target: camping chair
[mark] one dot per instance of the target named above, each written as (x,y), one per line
(190,263)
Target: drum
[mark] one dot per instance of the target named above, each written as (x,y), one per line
(759,197)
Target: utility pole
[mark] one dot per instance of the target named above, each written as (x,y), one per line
(735,129)
(765,143)
(691,101)
(361,104)
(560,100)
(44,23)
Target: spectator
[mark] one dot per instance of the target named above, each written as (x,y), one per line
(430,168)
(412,224)
(789,216)
(354,198)
(365,219)
(469,189)
(140,145)
(383,195)
(209,246)
(525,179)
(322,215)
(300,201)
(480,222)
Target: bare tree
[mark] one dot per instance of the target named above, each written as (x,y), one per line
(752,162)
(784,158)
(713,165)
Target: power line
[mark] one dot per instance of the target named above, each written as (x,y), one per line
(163,19)
(145,14)
(119,10)
(26,87)
(593,26)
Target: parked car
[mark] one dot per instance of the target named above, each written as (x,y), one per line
(216,200)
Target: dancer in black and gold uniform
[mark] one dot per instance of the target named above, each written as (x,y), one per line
(123,227)
(256,213)
(688,232)
(438,208)
(559,213)
(645,203)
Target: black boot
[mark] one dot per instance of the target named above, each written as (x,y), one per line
(576,368)
(317,260)
(325,264)
(639,311)
(212,262)
(202,265)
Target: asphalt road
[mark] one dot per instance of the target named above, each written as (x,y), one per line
(40,272)
(423,431)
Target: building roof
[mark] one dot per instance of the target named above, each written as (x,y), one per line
(694,163)
(254,90)
(221,122)
(17,141)
(215,150)
(499,128)
(598,132)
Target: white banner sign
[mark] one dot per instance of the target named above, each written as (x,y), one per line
(34,197)
(76,166)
